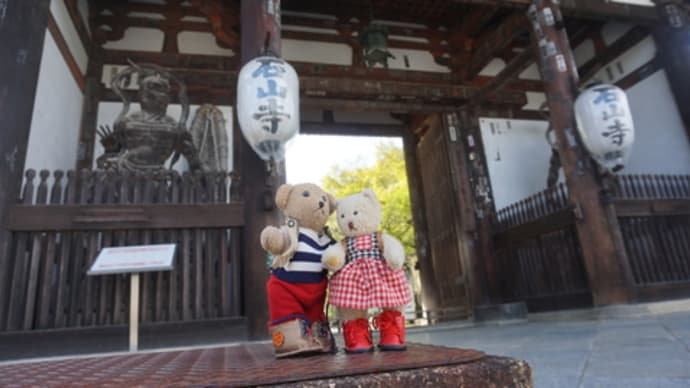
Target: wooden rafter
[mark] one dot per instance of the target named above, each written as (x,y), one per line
(592,9)
(490,43)
(617,48)
(504,77)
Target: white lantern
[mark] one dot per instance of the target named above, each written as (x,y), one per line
(268,105)
(605,124)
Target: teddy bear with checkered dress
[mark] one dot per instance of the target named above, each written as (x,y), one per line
(367,273)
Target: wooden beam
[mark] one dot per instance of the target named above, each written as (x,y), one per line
(398,91)
(78,22)
(93,94)
(66,53)
(640,74)
(421,232)
(23,29)
(533,229)
(374,106)
(489,44)
(124,216)
(606,263)
(617,48)
(651,208)
(260,26)
(351,129)
(671,39)
(504,77)
(481,200)
(589,9)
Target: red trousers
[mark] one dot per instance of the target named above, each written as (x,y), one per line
(288,301)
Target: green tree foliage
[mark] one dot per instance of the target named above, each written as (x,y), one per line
(388,179)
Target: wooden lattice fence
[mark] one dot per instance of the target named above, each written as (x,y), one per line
(61,223)
(538,252)
(654,216)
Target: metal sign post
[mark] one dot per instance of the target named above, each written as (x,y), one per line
(133,260)
(134,312)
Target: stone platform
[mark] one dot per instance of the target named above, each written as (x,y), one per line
(254,365)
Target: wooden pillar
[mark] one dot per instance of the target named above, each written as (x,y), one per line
(260,24)
(23,27)
(607,267)
(673,48)
(89,113)
(414,181)
(473,158)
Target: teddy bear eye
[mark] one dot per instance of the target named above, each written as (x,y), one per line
(305,194)
(355,213)
(342,215)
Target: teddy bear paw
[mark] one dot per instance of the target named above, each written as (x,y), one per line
(333,258)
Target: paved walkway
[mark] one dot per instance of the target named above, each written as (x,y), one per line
(629,346)
(625,346)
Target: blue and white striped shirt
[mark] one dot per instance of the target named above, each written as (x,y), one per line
(305,265)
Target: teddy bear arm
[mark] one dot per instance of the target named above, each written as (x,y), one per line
(275,241)
(333,258)
(393,251)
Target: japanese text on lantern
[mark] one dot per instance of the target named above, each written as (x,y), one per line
(612,113)
(271,109)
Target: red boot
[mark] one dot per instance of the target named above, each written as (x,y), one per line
(357,336)
(391,325)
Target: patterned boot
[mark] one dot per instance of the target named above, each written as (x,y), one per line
(293,337)
(357,336)
(391,325)
(322,332)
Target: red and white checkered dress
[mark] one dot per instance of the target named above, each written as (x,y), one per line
(366,281)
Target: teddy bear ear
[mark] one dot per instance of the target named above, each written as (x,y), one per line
(332,203)
(368,193)
(282,195)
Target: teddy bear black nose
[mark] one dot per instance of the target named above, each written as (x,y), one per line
(321,204)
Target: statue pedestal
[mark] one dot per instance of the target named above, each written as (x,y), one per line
(254,364)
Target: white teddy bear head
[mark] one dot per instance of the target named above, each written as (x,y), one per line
(359,214)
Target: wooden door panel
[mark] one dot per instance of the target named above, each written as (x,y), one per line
(442,221)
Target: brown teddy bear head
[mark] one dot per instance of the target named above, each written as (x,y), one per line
(307,203)
(359,214)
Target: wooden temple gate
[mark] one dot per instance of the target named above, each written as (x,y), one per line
(59,227)
(591,240)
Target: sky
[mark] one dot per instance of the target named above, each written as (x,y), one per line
(310,157)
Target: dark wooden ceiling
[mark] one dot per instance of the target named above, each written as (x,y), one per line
(463,35)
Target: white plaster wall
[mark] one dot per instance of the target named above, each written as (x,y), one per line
(517,156)
(108,111)
(140,39)
(417,59)
(494,67)
(628,62)
(531,72)
(661,143)
(69,32)
(535,101)
(54,133)
(318,52)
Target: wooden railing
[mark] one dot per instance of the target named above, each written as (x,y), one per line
(654,216)
(533,207)
(62,222)
(651,186)
(538,253)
